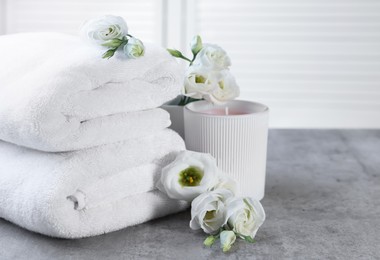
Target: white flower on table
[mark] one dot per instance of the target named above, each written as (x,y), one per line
(134,48)
(105,28)
(212,57)
(189,175)
(208,210)
(244,216)
(215,208)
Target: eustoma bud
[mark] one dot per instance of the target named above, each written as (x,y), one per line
(196,44)
(227,239)
(134,48)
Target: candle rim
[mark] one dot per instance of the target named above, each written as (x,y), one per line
(256,113)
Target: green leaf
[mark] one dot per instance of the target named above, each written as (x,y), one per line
(248,239)
(108,54)
(175,53)
(209,241)
(114,43)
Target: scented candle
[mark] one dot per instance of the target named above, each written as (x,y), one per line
(236,134)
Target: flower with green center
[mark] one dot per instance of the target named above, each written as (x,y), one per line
(221,85)
(200,79)
(189,175)
(208,210)
(199,82)
(216,87)
(227,88)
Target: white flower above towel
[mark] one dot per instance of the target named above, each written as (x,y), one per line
(105,28)
(111,31)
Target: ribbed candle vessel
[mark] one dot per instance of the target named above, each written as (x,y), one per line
(238,141)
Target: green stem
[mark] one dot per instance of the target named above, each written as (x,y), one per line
(182,101)
(194,56)
(187,59)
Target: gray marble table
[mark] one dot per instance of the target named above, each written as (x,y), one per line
(322,202)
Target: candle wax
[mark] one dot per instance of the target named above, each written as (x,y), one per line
(222,112)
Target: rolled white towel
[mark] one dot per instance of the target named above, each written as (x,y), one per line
(35,186)
(50,84)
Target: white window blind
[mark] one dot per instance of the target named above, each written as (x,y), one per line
(143,16)
(316,63)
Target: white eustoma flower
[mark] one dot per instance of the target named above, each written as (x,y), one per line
(216,87)
(200,82)
(227,239)
(189,175)
(226,182)
(227,88)
(212,57)
(134,48)
(245,216)
(104,28)
(208,210)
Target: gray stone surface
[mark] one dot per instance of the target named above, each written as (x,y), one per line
(322,202)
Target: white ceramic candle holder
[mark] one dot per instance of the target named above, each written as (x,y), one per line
(238,141)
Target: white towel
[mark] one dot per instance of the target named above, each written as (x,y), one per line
(99,131)
(117,186)
(51,83)
(35,186)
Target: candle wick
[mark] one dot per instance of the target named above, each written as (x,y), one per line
(226,111)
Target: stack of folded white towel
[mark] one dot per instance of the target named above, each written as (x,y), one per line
(83,141)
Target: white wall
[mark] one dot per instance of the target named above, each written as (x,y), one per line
(316,63)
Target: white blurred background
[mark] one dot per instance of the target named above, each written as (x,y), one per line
(315,63)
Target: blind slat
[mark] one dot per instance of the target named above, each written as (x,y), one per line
(301,56)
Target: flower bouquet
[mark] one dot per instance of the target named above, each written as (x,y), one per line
(112,32)
(216,207)
(208,76)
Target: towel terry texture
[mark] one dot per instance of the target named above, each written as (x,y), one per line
(83,140)
(87,192)
(58,94)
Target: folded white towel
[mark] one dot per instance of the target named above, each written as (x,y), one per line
(53,83)
(99,131)
(117,186)
(35,186)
